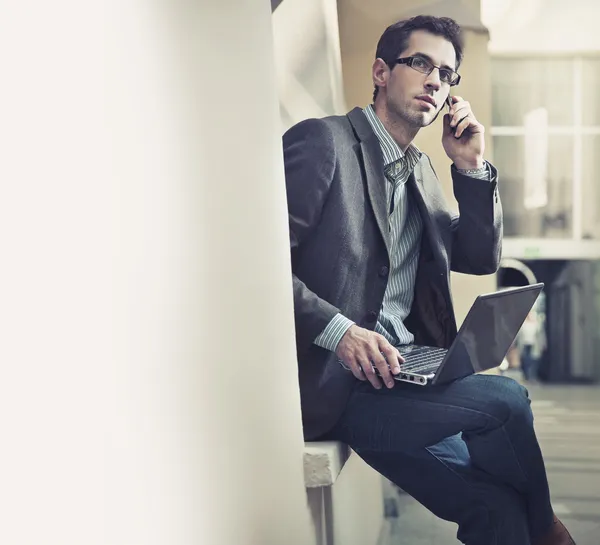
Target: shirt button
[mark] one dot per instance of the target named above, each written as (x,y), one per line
(384,271)
(371,317)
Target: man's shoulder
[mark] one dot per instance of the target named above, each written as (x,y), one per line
(332,123)
(334,133)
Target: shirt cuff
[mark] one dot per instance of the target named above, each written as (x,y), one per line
(482,173)
(331,336)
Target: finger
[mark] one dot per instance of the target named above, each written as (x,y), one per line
(382,366)
(356,369)
(457,124)
(392,356)
(463,126)
(460,114)
(369,372)
(455,101)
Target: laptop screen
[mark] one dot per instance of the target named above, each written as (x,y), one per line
(490,328)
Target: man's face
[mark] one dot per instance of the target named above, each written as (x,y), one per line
(415,97)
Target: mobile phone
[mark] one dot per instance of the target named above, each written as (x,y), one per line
(449,103)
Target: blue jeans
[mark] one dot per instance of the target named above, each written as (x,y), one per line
(467,451)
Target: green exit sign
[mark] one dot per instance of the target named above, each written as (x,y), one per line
(532,251)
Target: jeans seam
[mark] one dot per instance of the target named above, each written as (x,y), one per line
(448,406)
(523,472)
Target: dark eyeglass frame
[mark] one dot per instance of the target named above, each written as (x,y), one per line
(410,60)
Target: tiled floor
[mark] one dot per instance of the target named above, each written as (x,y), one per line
(567,421)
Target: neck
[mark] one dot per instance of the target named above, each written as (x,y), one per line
(400,131)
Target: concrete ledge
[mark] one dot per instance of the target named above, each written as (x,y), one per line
(346,507)
(323,461)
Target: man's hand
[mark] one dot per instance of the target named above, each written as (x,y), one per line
(463,138)
(361,350)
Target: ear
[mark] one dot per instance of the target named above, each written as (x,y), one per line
(381,73)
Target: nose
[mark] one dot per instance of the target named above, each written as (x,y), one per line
(433,81)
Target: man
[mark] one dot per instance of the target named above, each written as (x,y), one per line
(531,342)
(372,245)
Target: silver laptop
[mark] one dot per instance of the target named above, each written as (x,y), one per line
(484,338)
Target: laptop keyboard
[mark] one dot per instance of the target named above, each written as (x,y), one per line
(422,359)
(418,359)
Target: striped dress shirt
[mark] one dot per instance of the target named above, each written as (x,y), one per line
(405,241)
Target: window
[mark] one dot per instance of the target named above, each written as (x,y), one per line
(546,133)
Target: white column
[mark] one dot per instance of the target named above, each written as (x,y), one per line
(149,386)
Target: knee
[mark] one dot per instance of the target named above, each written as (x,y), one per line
(518,392)
(510,400)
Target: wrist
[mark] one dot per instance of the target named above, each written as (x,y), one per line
(461,164)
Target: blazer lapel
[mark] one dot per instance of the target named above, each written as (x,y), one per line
(372,159)
(429,210)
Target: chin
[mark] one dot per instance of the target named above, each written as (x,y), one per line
(424,119)
(421,119)
(429,120)
(415,118)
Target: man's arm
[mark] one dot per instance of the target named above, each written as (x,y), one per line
(331,336)
(309,160)
(309,157)
(477,230)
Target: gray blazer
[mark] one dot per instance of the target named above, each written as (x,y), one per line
(340,248)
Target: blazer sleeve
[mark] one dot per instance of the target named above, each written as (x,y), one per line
(309,161)
(477,230)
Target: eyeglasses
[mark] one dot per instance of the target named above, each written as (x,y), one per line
(424,66)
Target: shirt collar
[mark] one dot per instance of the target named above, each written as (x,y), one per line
(391,151)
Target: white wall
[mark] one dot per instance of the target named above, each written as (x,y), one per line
(542,25)
(149,391)
(307,57)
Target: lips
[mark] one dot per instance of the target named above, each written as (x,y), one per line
(428,99)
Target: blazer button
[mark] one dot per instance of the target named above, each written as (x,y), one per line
(384,271)
(371,317)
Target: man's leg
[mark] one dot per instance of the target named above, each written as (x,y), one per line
(442,479)
(492,413)
(535,369)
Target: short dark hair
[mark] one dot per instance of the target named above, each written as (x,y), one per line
(395,38)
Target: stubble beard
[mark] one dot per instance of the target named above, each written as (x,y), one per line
(409,116)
